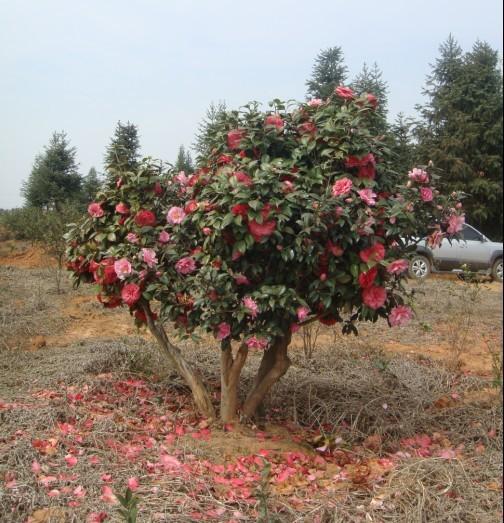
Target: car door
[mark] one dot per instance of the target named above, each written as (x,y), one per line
(470,249)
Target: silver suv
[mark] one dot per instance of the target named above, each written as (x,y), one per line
(473,249)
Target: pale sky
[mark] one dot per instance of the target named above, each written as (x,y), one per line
(80,66)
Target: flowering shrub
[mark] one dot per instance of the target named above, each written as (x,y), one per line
(297,216)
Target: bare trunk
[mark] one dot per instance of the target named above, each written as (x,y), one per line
(199,392)
(230,377)
(274,365)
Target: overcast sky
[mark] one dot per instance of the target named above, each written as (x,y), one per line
(80,66)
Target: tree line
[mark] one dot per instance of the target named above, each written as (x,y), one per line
(458,128)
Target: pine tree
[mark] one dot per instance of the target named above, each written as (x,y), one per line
(90,185)
(184,161)
(402,146)
(124,149)
(370,80)
(54,178)
(461,129)
(328,72)
(206,130)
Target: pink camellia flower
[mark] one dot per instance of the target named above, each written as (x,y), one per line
(149,257)
(367,196)
(206,231)
(181,178)
(397,266)
(294,327)
(243,178)
(234,138)
(108,496)
(315,102)
(70,460)
(223,331)
(185,265)
(400,316)
(164,237)
(342,187)
(131,293)
(133,483)
(375,252)
(372,100)
(96,517)
(455,224)
(251,305)
(132,237)
(344,92)
(122,268)
(287,187)
(175,215)
(274,120)
(122,208)
(418,175)
(240,279)
(256,343)
(426,194)
(302,313)
(95,210)
(374,297)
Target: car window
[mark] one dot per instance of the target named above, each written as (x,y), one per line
(470,234)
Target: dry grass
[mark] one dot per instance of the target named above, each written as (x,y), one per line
(349,391)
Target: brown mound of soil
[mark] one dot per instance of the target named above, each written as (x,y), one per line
(23,255)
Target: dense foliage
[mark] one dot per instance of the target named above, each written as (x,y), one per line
(461,128)
(297,216)
(54,178)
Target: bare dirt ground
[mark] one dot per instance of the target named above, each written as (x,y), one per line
(400,425)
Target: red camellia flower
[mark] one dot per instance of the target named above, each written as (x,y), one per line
(145,218)
(374,297)
(235,137)
(273,120)
(131,293)
(307,128)
(260,231)
(224,159)
(95,210)
(367,168)
(367,278)
(243,178)
(240,209)
(344,92)
(158,190)
(191,206)
(334,248)
(374,253)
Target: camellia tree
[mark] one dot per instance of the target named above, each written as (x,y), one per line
(296,217)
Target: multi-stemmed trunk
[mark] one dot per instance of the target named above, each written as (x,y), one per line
(273,366)
(191,376)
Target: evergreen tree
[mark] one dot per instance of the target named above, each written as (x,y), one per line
(461,129)
(206,130)
(184,161)
(370,80)
(124,149)
(328,72)
(402,146)
(54,178)
(90,185)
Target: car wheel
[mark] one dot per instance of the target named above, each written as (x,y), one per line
(497,270)
(420,267)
